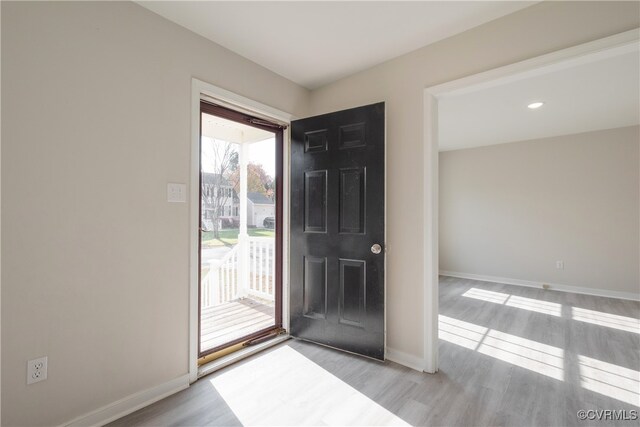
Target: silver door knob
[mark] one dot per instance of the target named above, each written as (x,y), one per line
(376,249)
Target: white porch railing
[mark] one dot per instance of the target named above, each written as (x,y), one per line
(225,282)
(220,283)
(262,267)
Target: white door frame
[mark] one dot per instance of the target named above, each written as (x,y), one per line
(201,90)
(617,44)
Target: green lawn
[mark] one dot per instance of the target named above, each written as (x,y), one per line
(229,237)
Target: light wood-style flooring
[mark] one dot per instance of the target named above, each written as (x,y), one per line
(509,356)
(226,322)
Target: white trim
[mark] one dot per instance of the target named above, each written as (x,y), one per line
(430,179)
(131,403)
(617,44)
(286,176)
(386,230)
(239,355)
(238,102)
(404,359)
(202,90)
(606,47)
(539,285)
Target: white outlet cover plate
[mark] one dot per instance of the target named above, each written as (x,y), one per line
(176,193)
(37,370)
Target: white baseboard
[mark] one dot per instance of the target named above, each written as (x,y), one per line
(130,404)
(552,286)
(404,359)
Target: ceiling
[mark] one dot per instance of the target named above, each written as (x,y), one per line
(316,43)
(596,95)
(227,130)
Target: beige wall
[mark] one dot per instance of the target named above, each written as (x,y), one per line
(96,121)
(0,228)
(540,29)
(513,210)
(95,268)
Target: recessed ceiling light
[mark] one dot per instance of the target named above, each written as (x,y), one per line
(535,105)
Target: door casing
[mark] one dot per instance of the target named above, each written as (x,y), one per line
(240,117)
(626,41)
(201,90)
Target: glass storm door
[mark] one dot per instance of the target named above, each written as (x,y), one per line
(240,289)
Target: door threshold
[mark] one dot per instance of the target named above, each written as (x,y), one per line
(237,356)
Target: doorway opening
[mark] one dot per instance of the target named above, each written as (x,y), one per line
(545,65)
(240,231)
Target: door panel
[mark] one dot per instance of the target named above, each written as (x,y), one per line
(315,201)
(337,215)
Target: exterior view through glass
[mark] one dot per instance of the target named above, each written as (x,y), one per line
(238,230)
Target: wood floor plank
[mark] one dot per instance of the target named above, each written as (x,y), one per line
(212,325)
(232,320)
(500,365)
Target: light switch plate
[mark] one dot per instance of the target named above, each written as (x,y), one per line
(176,193)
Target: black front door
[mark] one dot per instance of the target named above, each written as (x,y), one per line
(337,230)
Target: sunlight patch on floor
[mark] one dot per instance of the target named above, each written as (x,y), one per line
(544,307)
(461,333)
(484,295)
(283,387)
(541,358)
(610,380)
(531,304)
(599,318)
(532,355)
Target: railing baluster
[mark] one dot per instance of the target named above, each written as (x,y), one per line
(255,266)
(222,283)
(273,268)
(267,264)
(254,275)
(237,277)
(265,274)
(223,272)
(250,274)
(234,275)
(230,280)
(265,285)
(259,244)
(219,295)
(260,263)
(258,266)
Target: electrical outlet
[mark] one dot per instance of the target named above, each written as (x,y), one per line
(37,370)
(560,265)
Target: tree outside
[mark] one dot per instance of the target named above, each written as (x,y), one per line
(224,163)
(258,180)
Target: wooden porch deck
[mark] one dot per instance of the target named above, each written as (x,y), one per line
(232,320)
